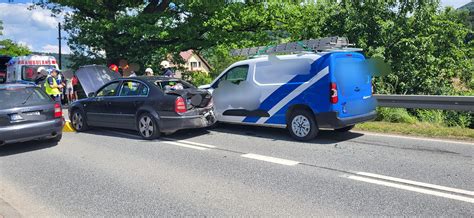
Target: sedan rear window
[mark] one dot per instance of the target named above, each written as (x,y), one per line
(18,97)
(167,85)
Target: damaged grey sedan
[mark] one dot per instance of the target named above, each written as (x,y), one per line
(149,105)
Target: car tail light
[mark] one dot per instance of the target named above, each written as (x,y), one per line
(57,111)
(211,103)
(180,105)
(333,93)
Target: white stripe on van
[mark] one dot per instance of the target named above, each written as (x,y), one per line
(294,93)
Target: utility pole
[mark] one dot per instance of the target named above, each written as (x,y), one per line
(59,38)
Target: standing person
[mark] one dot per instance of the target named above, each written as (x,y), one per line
(133,74)
(62,81)
(69,91)
(148,72)
(75,87)
(115,68)
(52,87)
(41,75)
(166,69)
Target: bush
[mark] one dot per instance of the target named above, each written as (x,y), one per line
(197,78)
(435,117)
(395,115)
(430,116)
(460,119)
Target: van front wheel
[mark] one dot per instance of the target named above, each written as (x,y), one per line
(302,125)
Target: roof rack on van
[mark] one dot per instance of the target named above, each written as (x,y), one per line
(334,43)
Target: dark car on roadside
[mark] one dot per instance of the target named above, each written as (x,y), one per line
(149,105)
(28,113)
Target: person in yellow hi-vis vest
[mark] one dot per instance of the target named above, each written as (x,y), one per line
(52,87)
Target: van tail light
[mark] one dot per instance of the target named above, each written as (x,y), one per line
(58,113)
(180,105)
(333,93)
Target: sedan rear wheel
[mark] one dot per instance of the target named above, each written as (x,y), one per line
(148,127)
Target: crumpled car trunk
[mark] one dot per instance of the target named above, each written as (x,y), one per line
(195,98)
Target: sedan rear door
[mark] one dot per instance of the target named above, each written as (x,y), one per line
(132,95)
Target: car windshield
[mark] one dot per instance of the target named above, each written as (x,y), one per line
(18,97)
(169,85)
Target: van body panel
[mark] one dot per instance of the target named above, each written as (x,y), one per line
(354,84)
(274,84)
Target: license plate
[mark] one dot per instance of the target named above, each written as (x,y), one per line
(16,117)
(34,113)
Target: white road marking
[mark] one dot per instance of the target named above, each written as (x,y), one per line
(444,188)
(192,143)
(184,145)
(412,188)
(415,138)
(271,159)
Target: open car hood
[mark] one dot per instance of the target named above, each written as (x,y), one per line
(92,77)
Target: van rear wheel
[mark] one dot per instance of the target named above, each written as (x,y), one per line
(302,125)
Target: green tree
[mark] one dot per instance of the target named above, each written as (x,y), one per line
(9,48)
(145,32)
(425,46)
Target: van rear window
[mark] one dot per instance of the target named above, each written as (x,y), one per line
(28,72)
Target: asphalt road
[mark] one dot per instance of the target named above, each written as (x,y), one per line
(237,170)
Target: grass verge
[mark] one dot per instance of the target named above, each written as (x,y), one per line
(418,129)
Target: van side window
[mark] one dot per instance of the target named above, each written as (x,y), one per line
(282,71)
(235,75)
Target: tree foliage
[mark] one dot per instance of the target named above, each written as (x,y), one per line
(9,48)
(145,32)
(428,48)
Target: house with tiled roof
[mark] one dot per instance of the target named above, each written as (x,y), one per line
(193,62)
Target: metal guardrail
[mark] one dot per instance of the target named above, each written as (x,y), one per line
(458,103)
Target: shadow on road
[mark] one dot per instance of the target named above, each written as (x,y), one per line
(276,134)
(131,134)
(118,133)
(22,147)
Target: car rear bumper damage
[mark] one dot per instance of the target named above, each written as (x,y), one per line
(31,131)
(203,118)
(331,119)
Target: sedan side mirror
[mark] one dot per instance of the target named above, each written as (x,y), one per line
(91,94)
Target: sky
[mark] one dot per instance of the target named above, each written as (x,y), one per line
(37,30)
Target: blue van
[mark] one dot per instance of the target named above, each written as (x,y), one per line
(301,92)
